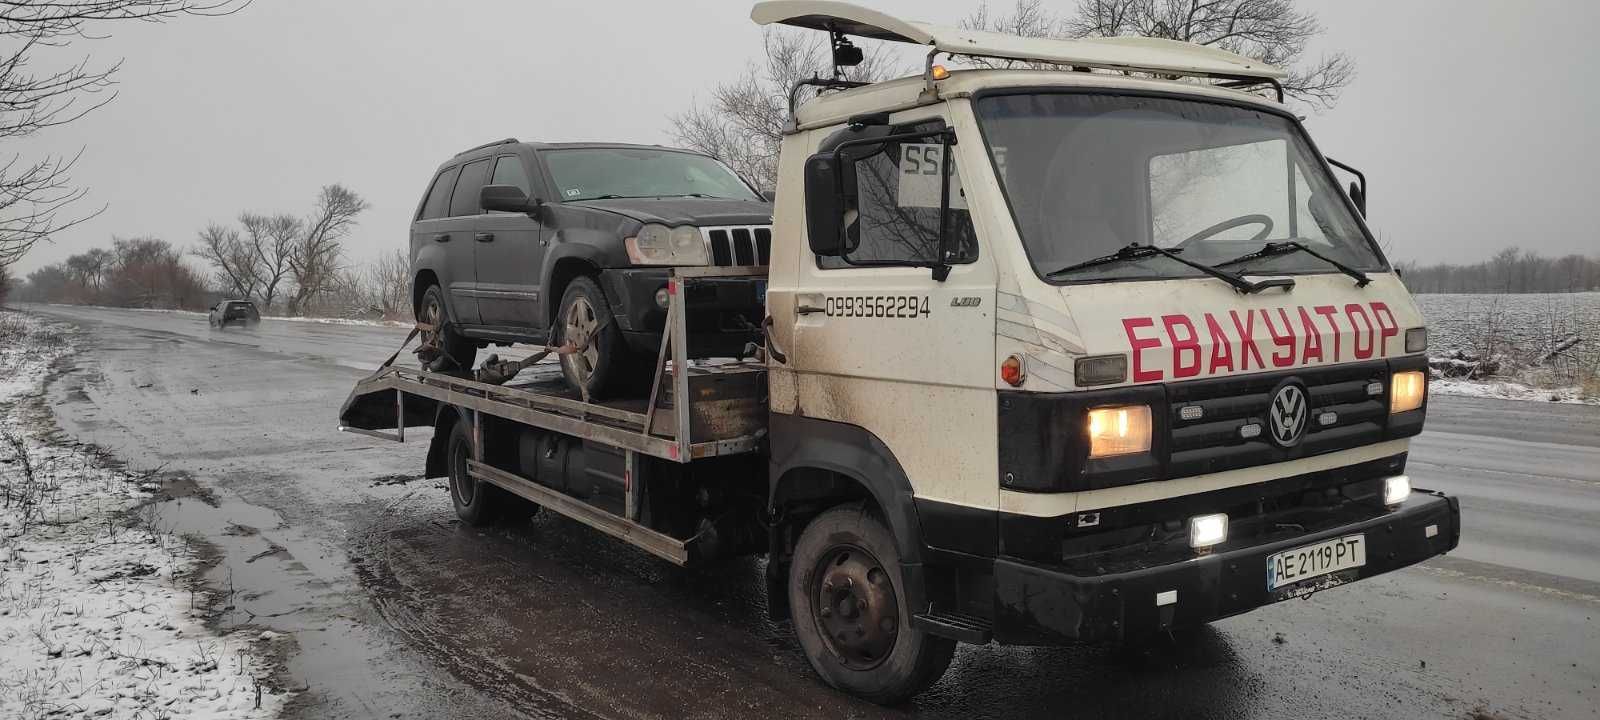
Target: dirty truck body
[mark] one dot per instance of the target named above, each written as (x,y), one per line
(985,409)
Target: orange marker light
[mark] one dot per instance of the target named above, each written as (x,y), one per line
(1012,372)
(939,73)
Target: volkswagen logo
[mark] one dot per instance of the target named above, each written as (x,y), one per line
(1288,413)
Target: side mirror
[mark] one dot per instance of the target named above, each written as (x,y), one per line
(770,195)
(505,198)
(1359,197)
(824,206)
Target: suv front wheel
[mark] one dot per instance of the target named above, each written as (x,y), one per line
(604,366)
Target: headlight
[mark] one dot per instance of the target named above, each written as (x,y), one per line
(661,245)
(1416,339)
(1119,430)
(1407,390)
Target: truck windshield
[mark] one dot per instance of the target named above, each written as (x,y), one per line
(1087,174)
(595,173)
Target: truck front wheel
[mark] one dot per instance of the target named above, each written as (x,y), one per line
(846,597)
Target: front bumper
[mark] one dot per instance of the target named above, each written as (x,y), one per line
(1037,604)
(724,313)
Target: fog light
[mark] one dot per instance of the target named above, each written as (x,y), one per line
(1396,489)
(1207,530)
(662,298)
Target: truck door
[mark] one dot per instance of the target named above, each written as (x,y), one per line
(509,254)
(881,344)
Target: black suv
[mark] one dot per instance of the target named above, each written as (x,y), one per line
(544,242)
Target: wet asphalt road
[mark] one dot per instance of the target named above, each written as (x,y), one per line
(400,611)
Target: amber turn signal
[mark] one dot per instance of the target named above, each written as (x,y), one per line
(1013,372)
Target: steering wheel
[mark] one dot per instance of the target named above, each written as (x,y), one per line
(1262,220)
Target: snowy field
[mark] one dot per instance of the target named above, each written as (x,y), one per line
(1516,332)
(99,614)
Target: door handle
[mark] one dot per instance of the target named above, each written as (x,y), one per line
(806,304)
(484,237)
(442,237)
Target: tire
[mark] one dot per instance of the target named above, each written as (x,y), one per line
(444,349)
(477,504)
(606,367)
(884,661)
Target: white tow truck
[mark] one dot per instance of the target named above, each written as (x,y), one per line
(1079,354)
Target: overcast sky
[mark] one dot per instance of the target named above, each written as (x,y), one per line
(1475,121)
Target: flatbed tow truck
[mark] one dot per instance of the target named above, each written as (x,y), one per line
(1086,354)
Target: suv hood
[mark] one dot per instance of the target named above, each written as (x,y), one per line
(702,212)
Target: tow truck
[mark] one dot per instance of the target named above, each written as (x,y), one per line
(1088,345)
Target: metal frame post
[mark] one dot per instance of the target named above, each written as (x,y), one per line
(680,368)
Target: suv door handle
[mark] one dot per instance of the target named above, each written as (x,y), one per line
(484,237)
(442,237)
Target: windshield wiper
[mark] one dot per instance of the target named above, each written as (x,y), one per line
(1135,251)
(1273,249)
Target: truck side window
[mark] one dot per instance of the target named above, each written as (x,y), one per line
(508,170)
(895,219)
(464,201)
(438,201)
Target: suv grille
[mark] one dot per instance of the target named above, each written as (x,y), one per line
(1211,441)
(739,245)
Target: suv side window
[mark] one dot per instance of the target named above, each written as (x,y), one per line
(465,199)
(508,170)
(438,200)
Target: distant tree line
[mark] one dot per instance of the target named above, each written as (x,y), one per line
(1512,270)
(135,272)
(284,263)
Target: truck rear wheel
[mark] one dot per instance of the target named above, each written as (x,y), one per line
(847,601)
(477,503)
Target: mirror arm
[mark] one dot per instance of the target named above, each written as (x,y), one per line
(941,267)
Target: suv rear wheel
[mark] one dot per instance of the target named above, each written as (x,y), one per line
(442,347)
(605,366)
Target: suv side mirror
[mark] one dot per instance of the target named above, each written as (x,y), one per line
(824,206)
(505,198)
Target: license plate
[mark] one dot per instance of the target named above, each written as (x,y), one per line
(1304,563)
(761,291)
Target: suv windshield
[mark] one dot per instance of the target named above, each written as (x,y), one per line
(1087,174)
(593,173)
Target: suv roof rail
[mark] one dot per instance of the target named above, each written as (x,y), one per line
(506,141)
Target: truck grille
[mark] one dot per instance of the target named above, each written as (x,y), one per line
(1206,416)
(739,245)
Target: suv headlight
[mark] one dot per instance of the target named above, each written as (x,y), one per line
(662,245)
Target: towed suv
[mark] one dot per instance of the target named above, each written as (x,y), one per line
(540,243)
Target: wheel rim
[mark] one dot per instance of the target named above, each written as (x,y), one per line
(431,315)
(462,485)
(855,607)
(580,323)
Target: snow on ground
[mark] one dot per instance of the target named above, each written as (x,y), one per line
(98,614)
(1507,390)
(323,320)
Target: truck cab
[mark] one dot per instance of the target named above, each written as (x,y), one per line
(1109,346)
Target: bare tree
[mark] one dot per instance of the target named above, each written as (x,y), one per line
(390,280)
(5,285)
(314,258)
(35,193)
(1274,32)
(742,124)
(231,259)
(271,240)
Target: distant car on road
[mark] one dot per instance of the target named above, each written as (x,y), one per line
(234,312)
